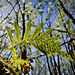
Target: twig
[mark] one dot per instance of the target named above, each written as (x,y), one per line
(8,13)
(67,42)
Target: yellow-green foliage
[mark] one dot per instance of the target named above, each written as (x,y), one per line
(40,42)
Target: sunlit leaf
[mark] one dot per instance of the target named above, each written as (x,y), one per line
(33,44)
(26,44)
(19,66)
(9,32)
(13,53)
(10,35)
(40,47)
(50,39)
(54,44)
(15,64)
(37,31)
(44,34)
(4,4)
(17,31)
(50,54)
(66,55)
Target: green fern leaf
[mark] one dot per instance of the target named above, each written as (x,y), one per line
(50,53)
(33,44)
(44,34)
(51,39)
(54,44)
(66,55)
(17,31)
(37,31)
(26,44)
(39,46)
(19,66)
(13,53)
(9,33)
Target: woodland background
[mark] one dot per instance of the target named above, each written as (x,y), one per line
(37,37)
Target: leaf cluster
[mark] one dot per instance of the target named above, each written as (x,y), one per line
(39,41)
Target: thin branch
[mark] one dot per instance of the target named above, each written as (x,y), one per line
(4,54)
(67,42)
(63,31)
(67,13)
(8,13)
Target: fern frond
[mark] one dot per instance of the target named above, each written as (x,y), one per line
(17,31)
(37,31)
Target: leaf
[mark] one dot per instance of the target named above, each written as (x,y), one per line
(37,31)
(50,39)
(50,53)
(64,54)
(13,53)
(13,41)
(23,1)
(26,44)
(27,32)
(33,44)
(54,44)
(40,3)
(15,64)
(53,52)
(17,31)
(44,34)
(19,63)
(19,66)
(9,33)
(40,47)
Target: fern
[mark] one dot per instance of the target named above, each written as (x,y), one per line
(44,34)
(37,31)
(41,43)
(9,33)
(17,31)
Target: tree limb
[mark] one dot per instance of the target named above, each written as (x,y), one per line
(67,13)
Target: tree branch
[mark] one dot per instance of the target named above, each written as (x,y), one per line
(8,13)
(67,13)
(67,42)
